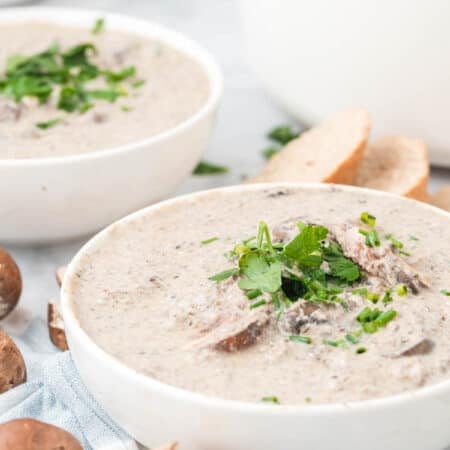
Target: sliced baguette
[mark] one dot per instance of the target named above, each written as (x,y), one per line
(396,164)
(441,198)
(330,152)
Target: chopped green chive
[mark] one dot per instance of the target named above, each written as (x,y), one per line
(258,304)
(394,242)
(385,317)
(372,319)
(337,343)
(361,350)
(372,239)
(271,399)
(48,124)
(360,291)
(445,292)
(138,83)
(253,293)
(352,338)
(402,290)
(387,297)
(99,26)
(413,238)
(301,339)
(206,168)
(368,219)
(210,240)
(126,108)
(308,399)
(224,275)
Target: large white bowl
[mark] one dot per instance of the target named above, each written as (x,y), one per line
(48,199)
(153,412)
(318,56)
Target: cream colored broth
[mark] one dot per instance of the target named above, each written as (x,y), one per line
(175,88)
(144,294)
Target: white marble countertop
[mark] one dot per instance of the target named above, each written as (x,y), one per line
(246,115)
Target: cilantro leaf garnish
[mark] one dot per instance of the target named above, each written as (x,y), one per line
(304,248)
(341,267)
(260,272)
(207,168)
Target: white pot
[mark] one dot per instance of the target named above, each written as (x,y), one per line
(391,57)
(48,199)
(154,412)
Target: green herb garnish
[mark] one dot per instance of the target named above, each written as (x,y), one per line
(368,219)
(402,290)
(126,108)
(283,134)
(210,240)
(394,242)
(48,124)
(372,239)
(252,294)
(337,343)
(413,238)
(301,339)
(445,292)
(361,350)
(387,297)
(258,304)
(138,83)
(372,319)
(269,152)
(271,399)
(206,168)
(224,275)
(99,26)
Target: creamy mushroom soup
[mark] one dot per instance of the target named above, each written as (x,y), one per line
(287,295)
(69,90)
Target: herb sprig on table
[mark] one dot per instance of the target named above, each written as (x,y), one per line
(65,74)
(280,136)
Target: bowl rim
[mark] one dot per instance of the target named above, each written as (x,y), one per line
(74,327)
(81,17)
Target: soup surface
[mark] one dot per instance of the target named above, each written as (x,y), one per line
(361,309)
(164,87)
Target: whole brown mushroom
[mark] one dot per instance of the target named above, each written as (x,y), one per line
(30,434)
(12,366)
(10,283)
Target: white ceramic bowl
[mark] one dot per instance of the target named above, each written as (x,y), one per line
(153,412)
(316,57)
(48,199)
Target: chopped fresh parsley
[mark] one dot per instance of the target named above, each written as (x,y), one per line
(210,240)
(206,168)
(271,399)
(300,339)
(99,26)
(224,275)
(116,77)
(368,219)
(48,124)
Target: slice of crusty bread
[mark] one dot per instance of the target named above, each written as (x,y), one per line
(397,164)
(441,198)
(330,152)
